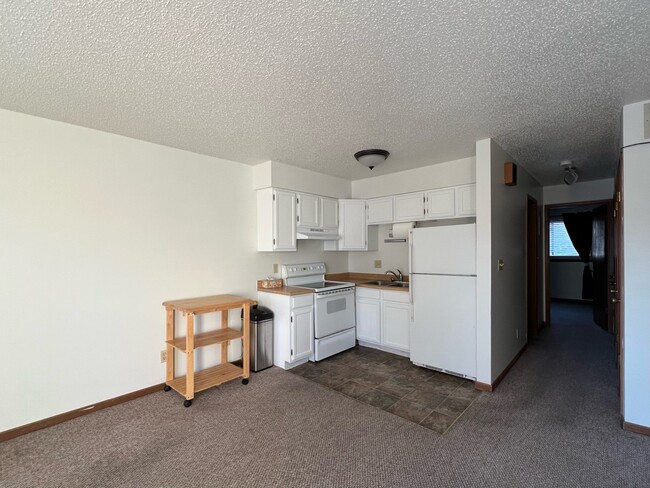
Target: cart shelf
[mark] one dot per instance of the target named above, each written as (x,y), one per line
(207,378)
(207,338)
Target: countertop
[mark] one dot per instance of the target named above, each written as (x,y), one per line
(359,279)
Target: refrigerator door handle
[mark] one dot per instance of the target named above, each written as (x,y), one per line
(411,274)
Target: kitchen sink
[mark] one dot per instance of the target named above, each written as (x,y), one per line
(397,284)
(378,282)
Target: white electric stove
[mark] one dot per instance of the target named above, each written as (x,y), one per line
(334,314)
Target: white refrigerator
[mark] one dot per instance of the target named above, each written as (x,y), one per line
(443,298)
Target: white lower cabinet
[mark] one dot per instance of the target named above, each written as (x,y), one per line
(369,320)
(395,319)
(383,319)
(302,332)
(293,327)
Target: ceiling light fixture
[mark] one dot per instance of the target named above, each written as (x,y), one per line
(570,172)
(371,157)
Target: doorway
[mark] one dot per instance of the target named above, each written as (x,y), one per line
(579,264)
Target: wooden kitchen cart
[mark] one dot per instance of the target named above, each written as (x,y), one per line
(195,381)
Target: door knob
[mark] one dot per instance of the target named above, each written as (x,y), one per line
(615,300)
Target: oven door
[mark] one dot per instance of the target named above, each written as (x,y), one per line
(334,312)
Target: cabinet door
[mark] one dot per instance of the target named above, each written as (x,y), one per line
(302,332)
(369,320)
(353,225)
(466,200)
(308,210)
(284,220)
(380,210)
(409,207)
(329,213)
(440,203)
(395,319)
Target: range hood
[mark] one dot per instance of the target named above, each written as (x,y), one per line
(315,233)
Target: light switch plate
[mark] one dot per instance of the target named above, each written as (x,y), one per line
(275,267)
(377,263)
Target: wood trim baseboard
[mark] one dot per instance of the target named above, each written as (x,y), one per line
(636,428)
(490,387)
(482,386)
(57,419)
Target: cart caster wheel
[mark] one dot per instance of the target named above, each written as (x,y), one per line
(187,403)
(167,388)
(244,381)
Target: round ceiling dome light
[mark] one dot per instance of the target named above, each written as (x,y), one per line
(371,157)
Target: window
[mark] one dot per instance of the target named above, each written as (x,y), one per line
(560,242)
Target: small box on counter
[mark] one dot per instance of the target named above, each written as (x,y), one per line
(271,283)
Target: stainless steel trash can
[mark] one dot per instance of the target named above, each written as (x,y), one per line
(261,341)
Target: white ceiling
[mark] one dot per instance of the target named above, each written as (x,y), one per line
(309,83)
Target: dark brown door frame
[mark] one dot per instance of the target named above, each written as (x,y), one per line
(532,263)
(547,250)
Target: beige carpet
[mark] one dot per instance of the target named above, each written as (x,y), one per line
(553,422)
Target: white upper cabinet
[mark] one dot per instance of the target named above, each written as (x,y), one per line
(329,213)
(466,200)
(380,210)
(353,225)
(409,206)
(355,235)
(440,203)
(308,210)
(276,220)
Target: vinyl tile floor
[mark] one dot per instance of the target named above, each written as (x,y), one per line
(394,384)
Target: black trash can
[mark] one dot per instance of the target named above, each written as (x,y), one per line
(261,340)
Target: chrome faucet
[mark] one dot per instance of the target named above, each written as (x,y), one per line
(396,276)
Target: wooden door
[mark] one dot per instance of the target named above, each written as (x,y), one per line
(599,261)
(616,291)
(531,266)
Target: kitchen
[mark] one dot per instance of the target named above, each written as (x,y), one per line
(382,315)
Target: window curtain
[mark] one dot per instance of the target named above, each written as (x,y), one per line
(579,227)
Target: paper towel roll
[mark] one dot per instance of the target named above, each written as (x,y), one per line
(401,230)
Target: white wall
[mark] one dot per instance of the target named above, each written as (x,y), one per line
(450,173)
(393,255)
(636,236)
(279,175)
(566,279)
(96,231)
(506,235)
(580,192)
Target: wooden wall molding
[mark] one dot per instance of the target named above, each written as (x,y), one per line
(57,419)
(490,387)
(636,428)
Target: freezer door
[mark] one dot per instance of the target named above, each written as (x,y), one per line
(446,249)
(443,331)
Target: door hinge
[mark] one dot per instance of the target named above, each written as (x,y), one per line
(274,241)
(618,196)
(274,197)
(297,200)
(292,318)
(297,218)
(292,352)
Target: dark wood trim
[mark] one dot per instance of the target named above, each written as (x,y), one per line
(490,387)
(636,428)
(57,419)
(572,300)
(482,386)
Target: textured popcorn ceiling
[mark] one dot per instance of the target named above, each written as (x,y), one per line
(310,82)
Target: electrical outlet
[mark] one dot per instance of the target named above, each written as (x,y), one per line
(377,263)
(163,356)
(275,267)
